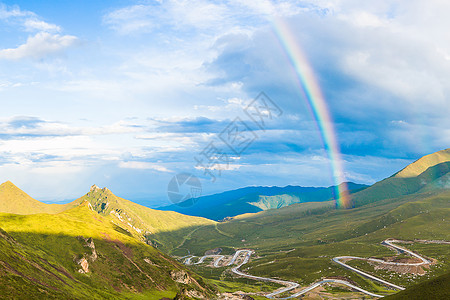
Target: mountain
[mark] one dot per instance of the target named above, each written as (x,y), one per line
(99,245)
(79,254)
(162,229)
(428,173)
(255,199)
(298,242)
(14,200)
(423,163)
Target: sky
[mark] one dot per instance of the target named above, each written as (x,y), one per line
(128,94)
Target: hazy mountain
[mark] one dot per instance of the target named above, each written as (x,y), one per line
(255,199)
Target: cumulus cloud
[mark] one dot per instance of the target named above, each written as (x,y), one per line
(375,63)
(45,42)
(40,46)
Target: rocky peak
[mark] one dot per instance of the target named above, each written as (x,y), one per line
(94,188)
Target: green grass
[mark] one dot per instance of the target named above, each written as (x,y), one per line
(432,289)
(298,242)
(39,253)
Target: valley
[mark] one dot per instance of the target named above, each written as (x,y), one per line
(393,238)
(298,243)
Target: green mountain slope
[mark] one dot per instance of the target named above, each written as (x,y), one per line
(433,289)
(163,229)
(298,242)
(79,254)
(434,177)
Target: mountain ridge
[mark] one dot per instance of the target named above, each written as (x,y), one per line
(158,228)
(14,200)
(422,164)
(254,199)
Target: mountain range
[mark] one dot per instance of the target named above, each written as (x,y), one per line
(101,246)
(255,199)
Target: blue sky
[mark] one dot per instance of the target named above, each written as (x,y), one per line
(126,94)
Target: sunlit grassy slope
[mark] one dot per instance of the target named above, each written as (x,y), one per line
(299,242)
(163,229)
(14,200)
(423,163)
(40,254)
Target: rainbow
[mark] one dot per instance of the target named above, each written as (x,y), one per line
(316,101)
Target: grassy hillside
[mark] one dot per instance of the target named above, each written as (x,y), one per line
(14,200)
(79,254)
(423,163)
(433,289)
(299,241)
(395,186)
(163,229)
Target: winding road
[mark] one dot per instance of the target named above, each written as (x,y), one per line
(290,285)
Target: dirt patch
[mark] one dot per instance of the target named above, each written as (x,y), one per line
(215,251)
(419,270)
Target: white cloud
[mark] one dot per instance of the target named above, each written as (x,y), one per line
(143,165)
(33,25)
(29,20)
(182,15)
(131,19)
(221,167)
(177,14)
(22,126)
(40,46)
(13,12)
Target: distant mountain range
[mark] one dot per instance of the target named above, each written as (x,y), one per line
(429,172)
(255,199)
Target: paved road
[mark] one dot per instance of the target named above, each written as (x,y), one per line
(290,285)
